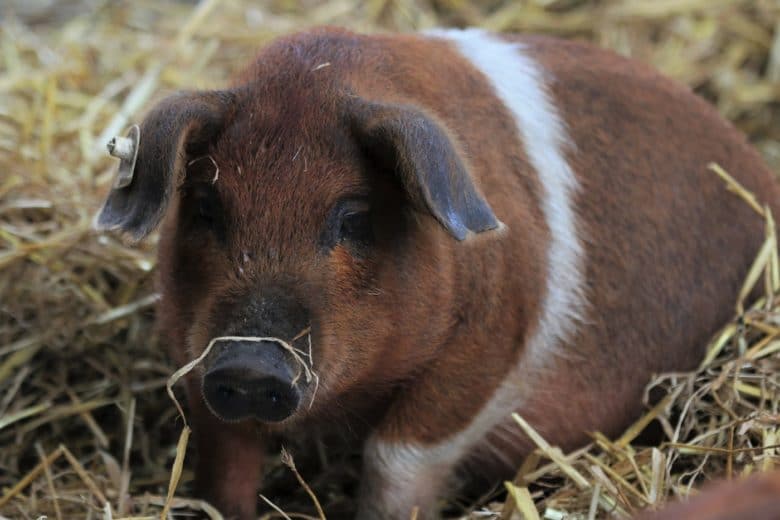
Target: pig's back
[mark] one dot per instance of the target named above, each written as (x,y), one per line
(647,248)
(667,245)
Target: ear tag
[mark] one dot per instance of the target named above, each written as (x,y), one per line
(126,149)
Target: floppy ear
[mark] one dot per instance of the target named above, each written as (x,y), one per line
(426,163)
(178,128)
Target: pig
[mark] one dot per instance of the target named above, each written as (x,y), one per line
(756,497)
(412,236)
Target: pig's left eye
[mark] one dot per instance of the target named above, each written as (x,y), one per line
(349,222)
(356,227)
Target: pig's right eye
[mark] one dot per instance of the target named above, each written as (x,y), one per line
(203,210)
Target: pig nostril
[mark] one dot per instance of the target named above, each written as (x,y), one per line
(225,391)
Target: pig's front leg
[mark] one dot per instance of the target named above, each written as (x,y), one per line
(229,462)
(410,459)
(399,477)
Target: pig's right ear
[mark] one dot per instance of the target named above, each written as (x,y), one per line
(178,128)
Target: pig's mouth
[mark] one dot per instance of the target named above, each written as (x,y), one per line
(253,378)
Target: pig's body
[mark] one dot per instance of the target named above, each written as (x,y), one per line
(756,497)
(544,236)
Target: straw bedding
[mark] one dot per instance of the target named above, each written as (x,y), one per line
(86,427)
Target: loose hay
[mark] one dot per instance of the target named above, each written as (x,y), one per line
(85,427)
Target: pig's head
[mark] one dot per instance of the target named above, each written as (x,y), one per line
(322,219)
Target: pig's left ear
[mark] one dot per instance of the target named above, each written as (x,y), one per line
(429,168)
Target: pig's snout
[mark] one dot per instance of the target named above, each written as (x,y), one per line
(252,380)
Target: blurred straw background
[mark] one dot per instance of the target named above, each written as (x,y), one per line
(86,430)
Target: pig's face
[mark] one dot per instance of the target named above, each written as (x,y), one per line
(293,236)
(309,223)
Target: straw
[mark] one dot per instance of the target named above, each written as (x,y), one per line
(77,336)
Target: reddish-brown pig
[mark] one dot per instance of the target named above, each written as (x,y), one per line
(431,232)
(753,498)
